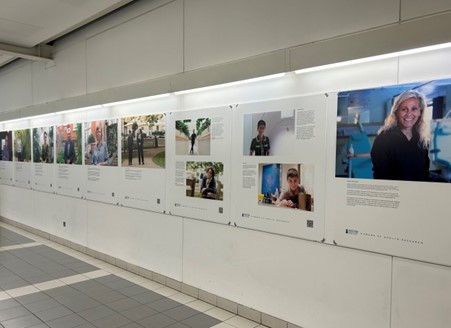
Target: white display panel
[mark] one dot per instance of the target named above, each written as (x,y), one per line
(101,158)
(389,194)
(143,141)
(43,159)
(70,176)
(198,180)
(283,191)
(6,173)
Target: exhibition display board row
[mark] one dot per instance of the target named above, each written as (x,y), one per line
(261,165)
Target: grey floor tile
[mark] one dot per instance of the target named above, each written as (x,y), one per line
(63,274)
(133,290)
(14,312)
(81,304)
(22,322)
(85,269)
(42,305)
(109,297)
(69,321)
(96,313)
(181,313)
(32,298)
(132,325)
(147,297)
(139,313)
(118,284)
(53,313)
(201,321)
(177,325)
(6,304)
(42,325)
(163,304)
(156,321)
(17,283)
(107,279)
(123,304)
(64,292)
(113,321)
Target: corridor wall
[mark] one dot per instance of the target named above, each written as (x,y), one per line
(309,282)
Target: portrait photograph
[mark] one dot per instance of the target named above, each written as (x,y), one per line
(204,180)
(22,145)
(6,138)
(43,145)
(400,132)
(100,138)
(69,143)
(286,186)
(269,133)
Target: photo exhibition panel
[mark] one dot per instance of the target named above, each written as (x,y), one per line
(199,171)
(393,169)
(279,158)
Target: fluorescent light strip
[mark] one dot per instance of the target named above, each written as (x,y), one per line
(218,86)
(374,58)
(76,110)
(135,100)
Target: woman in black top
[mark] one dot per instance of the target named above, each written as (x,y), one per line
(400,150)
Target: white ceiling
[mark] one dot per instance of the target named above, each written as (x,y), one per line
(25,24)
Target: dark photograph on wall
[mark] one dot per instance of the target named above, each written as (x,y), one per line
(286,186)
(22,145)
(204,180)
(69,144)
(43,145)
(6,138)
(144,141)
(268,133)
(400,132)
(193,137)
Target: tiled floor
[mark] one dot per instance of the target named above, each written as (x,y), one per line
(44,284)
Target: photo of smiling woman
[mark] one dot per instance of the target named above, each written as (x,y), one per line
(400,149)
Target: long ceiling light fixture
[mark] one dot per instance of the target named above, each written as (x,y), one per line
(235,83)
(374,58)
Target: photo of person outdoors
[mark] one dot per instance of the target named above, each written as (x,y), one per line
(280,186)
(101,143)
(193,137)
(7,153)
(203,180)
(208,186)
(140,142)
(68,144)
(130,147)
(193,142)
(22,145)
(43,145)
(269,133)
(397,132)
(143,141)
